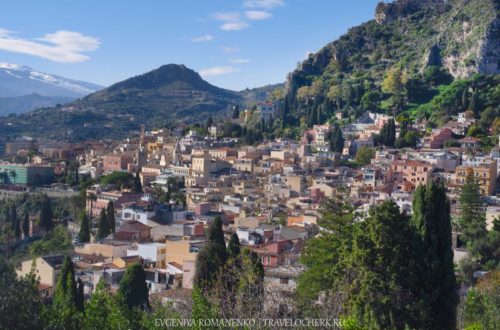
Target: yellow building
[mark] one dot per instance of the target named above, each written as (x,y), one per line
(485,174)
(182,249)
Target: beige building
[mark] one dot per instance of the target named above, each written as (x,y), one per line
(110,249)
(46,270)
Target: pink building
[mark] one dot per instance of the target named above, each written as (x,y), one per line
(439,138)
(116,162)
(102,198)
(406,175)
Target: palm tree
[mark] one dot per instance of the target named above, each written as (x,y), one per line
(13,174)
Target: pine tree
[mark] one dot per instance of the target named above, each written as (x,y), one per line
(103,225)
(133,288)
(432,226)
(137,183)
(84,234)
(110,211)
(472,218)
(46,214)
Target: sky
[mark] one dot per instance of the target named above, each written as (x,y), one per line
(233,44)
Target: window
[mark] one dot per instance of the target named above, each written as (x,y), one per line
(283,280)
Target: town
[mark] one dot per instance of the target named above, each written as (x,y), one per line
(251,164)
(162,188)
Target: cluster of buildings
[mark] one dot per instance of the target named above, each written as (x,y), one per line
(269,195)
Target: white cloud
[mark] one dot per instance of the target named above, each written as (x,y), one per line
(217,71)
(232,21)
(229,49)
(234,26)
(258,15)
(227,17)
(266,4)
(60,46)
(239,61)
(204,38)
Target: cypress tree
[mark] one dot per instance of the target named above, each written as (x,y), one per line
(66,291)
(13,215)
(103,225)
(46,214)
(84,234)
(80,296)
(17,228)
(64,312)
(236,112)
(26,225)
(215,237)
(233,246)
(212,257)
(133,288)
(431,223)
(337,140)
(137,183)
(472,218)
(110,212)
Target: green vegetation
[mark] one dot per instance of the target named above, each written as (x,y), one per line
(472,220)
(336,140)
(57,240)
(231,278)
(157,98)
(20,303)
(388,271)
(364,155)
(103,226)
(400,64)
(120,179)
(431,223)
(482,306)
(84,234)
(133,288)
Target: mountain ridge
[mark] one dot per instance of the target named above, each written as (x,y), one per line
(18,80)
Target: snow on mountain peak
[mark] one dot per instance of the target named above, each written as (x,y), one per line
(25,72)
(15,67)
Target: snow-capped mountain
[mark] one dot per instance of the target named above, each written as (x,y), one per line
(19,80)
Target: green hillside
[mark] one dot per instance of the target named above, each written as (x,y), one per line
(400,60)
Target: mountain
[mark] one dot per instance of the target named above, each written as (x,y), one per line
(24,89)
(168,94)
(425,43)
(25,103)
(18,80)
(262,94)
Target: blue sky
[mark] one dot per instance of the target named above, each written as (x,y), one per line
(233,43)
